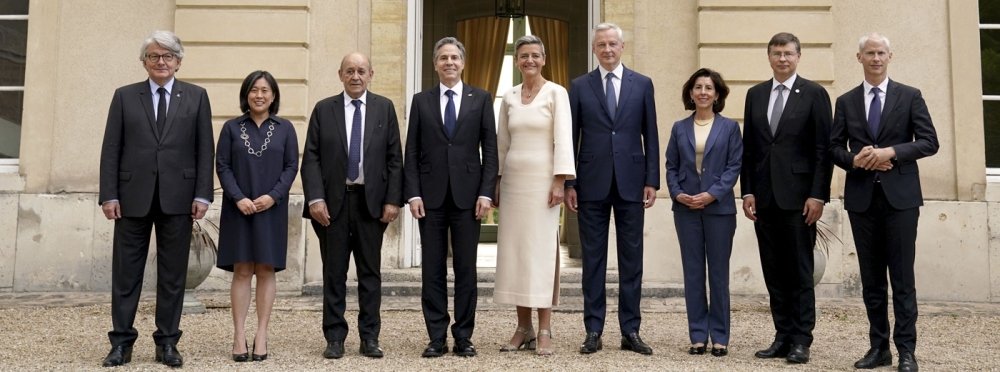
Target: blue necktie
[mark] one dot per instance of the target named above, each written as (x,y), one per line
(449,114)
(875,113)
(161,109)
(354,151)
(609,92)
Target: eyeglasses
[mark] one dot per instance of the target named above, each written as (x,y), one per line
(167,57)
(787,55)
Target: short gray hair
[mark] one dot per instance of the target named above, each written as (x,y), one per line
(166,39)
(529,40)
(449,40)
(610,26)
(873,36)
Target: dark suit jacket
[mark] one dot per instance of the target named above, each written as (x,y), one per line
(786,168)
(434,163)
(905,126)
(720,166)
(626,146)
(324,162)
(135,155)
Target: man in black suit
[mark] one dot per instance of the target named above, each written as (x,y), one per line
(785,183)
(879,131)
(156,170)
(352,180)
(451,170)
(618,169)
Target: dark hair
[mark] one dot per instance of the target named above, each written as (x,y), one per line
(783,38)
(249,82)
(720,87)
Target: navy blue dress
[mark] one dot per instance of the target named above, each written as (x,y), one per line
(261,237)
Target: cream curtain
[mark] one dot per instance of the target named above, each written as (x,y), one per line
(485,40)
(554,33)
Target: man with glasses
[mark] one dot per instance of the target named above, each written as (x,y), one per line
(785,183)
(156,170)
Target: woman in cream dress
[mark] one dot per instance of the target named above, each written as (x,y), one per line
(536,157)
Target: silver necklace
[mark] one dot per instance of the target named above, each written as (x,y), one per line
(246,138)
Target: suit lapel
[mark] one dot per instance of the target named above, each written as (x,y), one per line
(371,120)
(598,87)
(713,135)
(175,102)
(859,106)
(147,104)
(624,91)
(763,95)
(891,98)
(688,131)
(794,96)
(466,106)
(435,101)
(340,125)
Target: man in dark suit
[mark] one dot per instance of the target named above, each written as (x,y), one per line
(450,186)
(785,183)
(352,180)
(156,170)
(879,131)
(617,159)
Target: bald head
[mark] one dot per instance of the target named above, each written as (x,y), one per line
(355,72)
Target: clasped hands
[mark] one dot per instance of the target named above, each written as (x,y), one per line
(248,207)
(698,201)
(874,158)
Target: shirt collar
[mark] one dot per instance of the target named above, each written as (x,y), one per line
(457,88)
(363,98)
(789,83)
(881,86)
(619,70)
(169,86)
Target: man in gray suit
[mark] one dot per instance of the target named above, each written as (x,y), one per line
(156,170)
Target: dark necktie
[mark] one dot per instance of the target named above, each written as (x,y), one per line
(354,150)
(875,112)
(609,92)
(779,107)
(449,114)
(161,109)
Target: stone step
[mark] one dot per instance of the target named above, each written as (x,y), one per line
(407,282)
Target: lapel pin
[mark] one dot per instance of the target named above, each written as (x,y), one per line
(796,91)
(469,95)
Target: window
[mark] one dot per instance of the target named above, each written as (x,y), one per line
(13,43)
(989,36)
(509,76)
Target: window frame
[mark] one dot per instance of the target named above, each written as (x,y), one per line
(12,165)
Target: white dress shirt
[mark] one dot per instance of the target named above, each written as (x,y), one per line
(774,94)
(169,86)
(616,81)
(349,122)
(457,97)
(869,96)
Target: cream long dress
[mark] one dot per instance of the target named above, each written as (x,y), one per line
(534,144)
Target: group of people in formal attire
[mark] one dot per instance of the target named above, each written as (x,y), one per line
(593,148)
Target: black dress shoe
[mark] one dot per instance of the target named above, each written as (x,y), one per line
(592,343)
(169,356)
(777,349)
(464,348)
(632,342)
(697,350)
(258,357)
(720,351)
(875,357)
(369,348)
(907,362)
(798,354)
(435,349)
(118,355)
(242,357)
(334,350)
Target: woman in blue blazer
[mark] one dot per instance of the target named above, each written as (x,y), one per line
(703,162)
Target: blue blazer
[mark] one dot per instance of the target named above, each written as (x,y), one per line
(720,166)
(626,146)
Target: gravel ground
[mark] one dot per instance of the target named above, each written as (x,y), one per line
(952,336)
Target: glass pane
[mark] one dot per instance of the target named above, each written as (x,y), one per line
(10,124)
(13,41)
(990,42)
(991,123)
(989,11)
(14,7)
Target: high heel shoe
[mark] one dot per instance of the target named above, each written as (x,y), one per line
(527,343)
(258,357)
(242,357)
(545,351)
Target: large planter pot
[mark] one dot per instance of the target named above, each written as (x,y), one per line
(201,260)
(819,265)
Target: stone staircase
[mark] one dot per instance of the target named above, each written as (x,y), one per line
(407,283)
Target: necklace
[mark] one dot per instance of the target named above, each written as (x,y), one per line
(246,138)
(703,123)
(535,89)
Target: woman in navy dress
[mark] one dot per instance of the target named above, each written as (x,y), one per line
(257,160)
(704,156)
